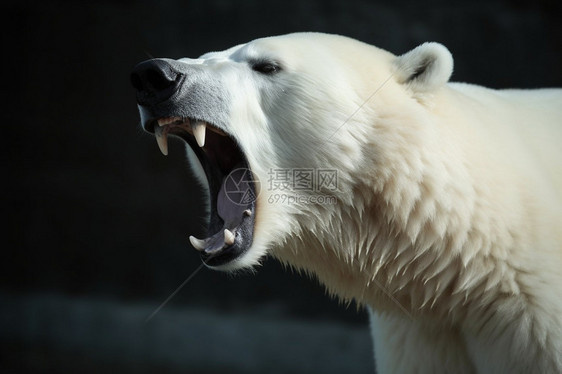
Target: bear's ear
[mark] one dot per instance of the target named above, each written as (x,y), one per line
(425,67)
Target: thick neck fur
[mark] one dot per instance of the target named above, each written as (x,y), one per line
(417,237)
(373,258)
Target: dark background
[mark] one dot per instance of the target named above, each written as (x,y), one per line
(97,220)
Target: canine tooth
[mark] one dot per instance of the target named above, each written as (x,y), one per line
(248,212)
(197,243)
(162,139)
(199,128)
(228,237)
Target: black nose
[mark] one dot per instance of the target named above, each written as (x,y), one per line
(155,81)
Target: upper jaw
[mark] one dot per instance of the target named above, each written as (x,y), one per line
(231,222)
(196,128)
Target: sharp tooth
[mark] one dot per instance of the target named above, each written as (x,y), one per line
(197,243)
(228,237)
(248,212)
(199,128)
(162,139)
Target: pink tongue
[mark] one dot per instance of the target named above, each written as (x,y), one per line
(235,196)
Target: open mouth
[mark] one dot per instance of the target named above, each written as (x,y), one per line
(232,186)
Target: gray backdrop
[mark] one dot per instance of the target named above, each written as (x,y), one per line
(97,220)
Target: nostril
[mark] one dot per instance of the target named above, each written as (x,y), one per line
(155,81)
(158,79)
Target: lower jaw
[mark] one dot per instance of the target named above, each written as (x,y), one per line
(232,222)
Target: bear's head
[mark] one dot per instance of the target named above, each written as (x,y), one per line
(284,133)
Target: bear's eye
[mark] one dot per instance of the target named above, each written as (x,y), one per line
(266,67)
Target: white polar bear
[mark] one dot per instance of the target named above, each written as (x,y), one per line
(447,222)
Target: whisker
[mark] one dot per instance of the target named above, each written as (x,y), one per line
(174,293)
(148,53)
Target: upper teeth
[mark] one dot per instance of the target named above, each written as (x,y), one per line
(161,134)
(197,128)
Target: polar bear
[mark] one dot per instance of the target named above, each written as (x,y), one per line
(446,211)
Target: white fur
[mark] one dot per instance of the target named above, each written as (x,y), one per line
(424,68)
(448,219)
